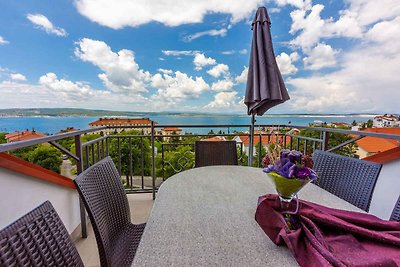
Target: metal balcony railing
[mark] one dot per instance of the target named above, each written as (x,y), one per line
(144,161)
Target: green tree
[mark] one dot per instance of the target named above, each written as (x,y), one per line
(369,123)
(3,138)
(354,123)
(67,143)
(134,149)
(47,157)
(180,159)
(23,153)
(84,138)
(258,156)
(242,157)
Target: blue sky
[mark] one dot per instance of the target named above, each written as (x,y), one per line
(192,56)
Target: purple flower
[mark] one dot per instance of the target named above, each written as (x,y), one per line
(303,173)
(284,154)
(270,168)
(285,169)
(293,165)
(295,156)
(293,171)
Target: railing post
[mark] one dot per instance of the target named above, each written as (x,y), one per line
(79,168)
(153,163)
(259,150)
(142,159)
(251,143)
(325,140)
(163,165)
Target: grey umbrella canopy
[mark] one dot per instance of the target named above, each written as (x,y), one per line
(265,87)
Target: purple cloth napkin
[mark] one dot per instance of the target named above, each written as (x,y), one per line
(321,236)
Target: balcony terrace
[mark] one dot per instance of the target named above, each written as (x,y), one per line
(144,161)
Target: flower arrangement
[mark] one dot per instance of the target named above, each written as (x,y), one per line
(289,164)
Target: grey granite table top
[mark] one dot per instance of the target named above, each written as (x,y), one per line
(205,217)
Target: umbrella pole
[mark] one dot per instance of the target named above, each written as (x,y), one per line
(251,145)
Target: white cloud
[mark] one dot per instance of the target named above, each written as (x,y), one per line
(367,79)
(161,59)
(353,22)
(274,10)
(165,71)
(223,85)
(54,92)
(228,52)
(224,100)
(167,12)
(121,72)
(200,61)
(242,78)
(17,77)
(177,88)
(321,56)
(300,4)
(386,34)
(285,63)
(231,52)
(213,32)
(312,27)
(44,23)
(179,52)
(369,12)
(3,41)
(73,91)
(218,70)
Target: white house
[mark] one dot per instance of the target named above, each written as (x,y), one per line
(386,121)
(387,188)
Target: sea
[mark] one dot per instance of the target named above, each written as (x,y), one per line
(54,124)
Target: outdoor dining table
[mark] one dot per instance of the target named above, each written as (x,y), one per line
(205,217)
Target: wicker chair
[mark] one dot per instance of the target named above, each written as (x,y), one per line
(215,153)
(348,178)
(396,212)
(38,238)
(105,200)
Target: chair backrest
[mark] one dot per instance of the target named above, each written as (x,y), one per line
(396,211)
(38,238)
(349,178)
(215,153)
(105,201)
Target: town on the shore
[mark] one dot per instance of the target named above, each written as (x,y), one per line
(387,123)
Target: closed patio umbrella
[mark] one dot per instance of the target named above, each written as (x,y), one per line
(265,87)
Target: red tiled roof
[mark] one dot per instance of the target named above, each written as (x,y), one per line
(24,135)
(386,156)
(264,139)
(18,165)
(68,129)
(376,144)
(214,138)
(386,130)
(117,121)
(172,129)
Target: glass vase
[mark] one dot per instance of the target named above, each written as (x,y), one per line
(287,189)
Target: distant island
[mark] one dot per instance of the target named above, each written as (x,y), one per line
(77,112)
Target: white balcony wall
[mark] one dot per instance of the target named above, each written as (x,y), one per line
(20,194)
(387,190)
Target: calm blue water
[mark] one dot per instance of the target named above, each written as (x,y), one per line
(53,125)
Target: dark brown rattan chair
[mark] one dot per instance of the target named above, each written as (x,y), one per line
(209,153)
(105,200)
(348,178)
(396,211)
(38,238)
